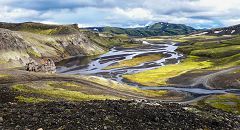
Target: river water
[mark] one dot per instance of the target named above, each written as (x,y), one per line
(96,65)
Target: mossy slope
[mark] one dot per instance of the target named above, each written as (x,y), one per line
(159,76)
(60,93)
(226,102)
(101,89)
(135,61)
(213,52)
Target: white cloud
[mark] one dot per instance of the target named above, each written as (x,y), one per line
(49,22)
(85,25)
(229,22)
(14,14)
(138,25)
(130,13)
(134,13)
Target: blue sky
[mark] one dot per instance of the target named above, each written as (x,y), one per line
(123,13)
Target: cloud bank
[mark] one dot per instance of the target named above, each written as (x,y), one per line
(123,13)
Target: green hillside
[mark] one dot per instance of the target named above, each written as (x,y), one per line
(163,29)
(41,28)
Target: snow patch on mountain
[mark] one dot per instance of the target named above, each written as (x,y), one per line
(216,32)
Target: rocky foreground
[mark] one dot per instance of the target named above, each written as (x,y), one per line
(109,114)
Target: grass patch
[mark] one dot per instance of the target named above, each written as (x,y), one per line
(223,51)
(215,47)
(126,88)
(60,93)
(2,61)
(227,62)
(32,52)
(226,102)
(197,37)
(152,93)
(159,76)
(219,52)
(236,72)
(31,99)
(181,38)
(66,84)
(136,61)
(3,75)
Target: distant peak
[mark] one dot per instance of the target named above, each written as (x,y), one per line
(161,23)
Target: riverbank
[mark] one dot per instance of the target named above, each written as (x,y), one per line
(59,87)
(125,60)
(211,62)
(180,75)
(197,76)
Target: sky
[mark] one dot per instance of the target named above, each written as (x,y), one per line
(123,13)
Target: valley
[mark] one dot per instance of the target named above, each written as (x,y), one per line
(110,66)
(167,79)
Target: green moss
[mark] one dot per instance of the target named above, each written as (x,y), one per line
(136,61)
(226,62)
(222,51)
(32,52)
(73,95)
(159,76)
(212,47)
(226,102)
(219,52)
(180,38)
(125,88)
(152,93)
(236,72)
(4,75)
(61,93)
(21,88)
(31,99)
(198,37)
(67,84)
(2,61)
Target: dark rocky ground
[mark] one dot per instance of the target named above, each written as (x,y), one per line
(109,115)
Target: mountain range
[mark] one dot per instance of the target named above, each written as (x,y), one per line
(167,29)
(160,28)
(231,30)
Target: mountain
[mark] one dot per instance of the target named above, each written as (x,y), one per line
(157,29)
(231,30)
(22,41)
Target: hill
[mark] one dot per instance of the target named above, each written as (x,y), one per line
(161,28)
(22,41)
(41,28)
(231,30)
